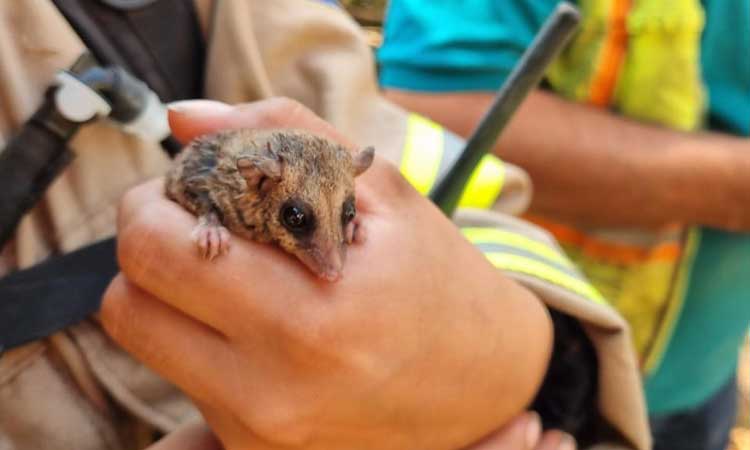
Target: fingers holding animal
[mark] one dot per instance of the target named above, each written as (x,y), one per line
(184,350)
(153,253)
(156,253)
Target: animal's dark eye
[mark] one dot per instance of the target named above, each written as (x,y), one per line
(348,211)
(297,218)
(294,218)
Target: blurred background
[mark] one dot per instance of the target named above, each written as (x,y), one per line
(369,14)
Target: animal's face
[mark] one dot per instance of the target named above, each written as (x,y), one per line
(308,201)
(314,227)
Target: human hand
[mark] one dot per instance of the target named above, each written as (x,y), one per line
(422,344)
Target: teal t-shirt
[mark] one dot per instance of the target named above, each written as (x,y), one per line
(472,45)
(703,351)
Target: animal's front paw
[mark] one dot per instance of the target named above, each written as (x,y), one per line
(211,237)
(355,231)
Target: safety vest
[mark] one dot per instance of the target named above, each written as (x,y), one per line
(642,60)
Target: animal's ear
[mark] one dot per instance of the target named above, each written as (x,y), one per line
(363,160)
(256,171)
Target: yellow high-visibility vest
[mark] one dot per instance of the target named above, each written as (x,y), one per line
(641,59)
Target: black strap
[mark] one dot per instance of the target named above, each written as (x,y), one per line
(55,294)
(29,163)
(161,43)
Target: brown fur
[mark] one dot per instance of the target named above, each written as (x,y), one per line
(206,179)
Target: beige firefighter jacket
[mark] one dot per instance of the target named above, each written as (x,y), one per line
(77,390)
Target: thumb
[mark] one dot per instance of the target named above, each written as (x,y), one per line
(189,119)
(523,433)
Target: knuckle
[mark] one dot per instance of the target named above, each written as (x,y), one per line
(117,311)
(322,341)
(134,249)
(128,204)
(280,423)
(309,327)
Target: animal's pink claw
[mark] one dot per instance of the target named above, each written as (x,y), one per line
(355,232)
(211,237)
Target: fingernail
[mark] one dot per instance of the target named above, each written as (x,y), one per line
(567,443)
(198,107)
(533,430)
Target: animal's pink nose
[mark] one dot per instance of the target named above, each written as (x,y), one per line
(333,264)
(331,275)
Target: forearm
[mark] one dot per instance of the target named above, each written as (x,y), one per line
(592,166)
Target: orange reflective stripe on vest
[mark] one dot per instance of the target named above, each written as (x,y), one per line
(625,57)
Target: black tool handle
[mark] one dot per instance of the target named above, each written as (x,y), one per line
(550,40)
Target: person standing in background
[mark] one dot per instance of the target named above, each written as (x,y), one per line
(637,146)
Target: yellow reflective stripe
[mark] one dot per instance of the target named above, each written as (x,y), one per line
(494,235)
(424,148)
(655,354)
(484,185)
(423,151)
(521,264)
